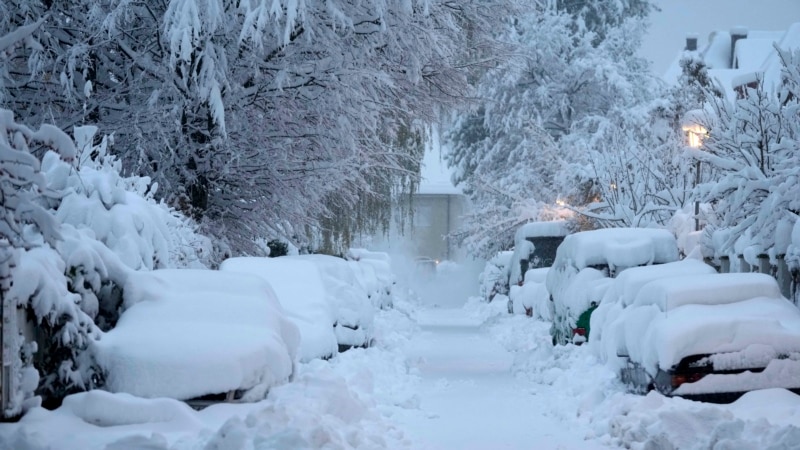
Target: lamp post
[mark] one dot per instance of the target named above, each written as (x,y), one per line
(694,135)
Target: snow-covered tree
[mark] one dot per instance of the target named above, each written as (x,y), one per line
(238,109)
(752,148)
(512,154)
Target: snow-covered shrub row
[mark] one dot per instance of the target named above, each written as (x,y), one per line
(73,229)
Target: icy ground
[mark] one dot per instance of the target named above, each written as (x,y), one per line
(452,376)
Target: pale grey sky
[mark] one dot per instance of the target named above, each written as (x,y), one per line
(667,34)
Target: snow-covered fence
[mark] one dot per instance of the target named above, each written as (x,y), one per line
(788,279)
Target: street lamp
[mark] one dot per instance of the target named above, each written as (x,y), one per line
(695,132)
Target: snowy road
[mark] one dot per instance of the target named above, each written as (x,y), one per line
(470,399)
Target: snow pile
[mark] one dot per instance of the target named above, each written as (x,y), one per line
(352,308)
(316,411)
(178,324)
(300,290)
(374,272)
(767,419)
(532,298)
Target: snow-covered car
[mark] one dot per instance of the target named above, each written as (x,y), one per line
(189,334)
(586,261)
(352,308)
(708,337)
(535,246)
(374,271)
(301,291)
(623,290)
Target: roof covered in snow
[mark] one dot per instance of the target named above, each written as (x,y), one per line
(753,55)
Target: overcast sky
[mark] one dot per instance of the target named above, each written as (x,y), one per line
(677,17)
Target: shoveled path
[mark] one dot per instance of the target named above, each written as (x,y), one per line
(468,397)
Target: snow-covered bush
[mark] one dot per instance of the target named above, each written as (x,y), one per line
(532,298)
(751,151)
(111,224)
(73,228)
(32,279)
(494,278)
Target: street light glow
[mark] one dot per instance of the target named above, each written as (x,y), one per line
(695,134)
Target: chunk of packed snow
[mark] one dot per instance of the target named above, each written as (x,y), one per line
(189,333)
(298,285)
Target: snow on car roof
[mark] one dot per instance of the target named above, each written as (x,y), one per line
(713,289)
(772,323)
(553,228)
(617,247)
(628,283)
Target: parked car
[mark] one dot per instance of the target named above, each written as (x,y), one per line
(301,292)
(354,313)
(374,270)
(535,246)
(198,335)
(584,264)
(623,290)
(707,337)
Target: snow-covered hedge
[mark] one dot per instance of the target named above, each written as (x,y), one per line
(71,232)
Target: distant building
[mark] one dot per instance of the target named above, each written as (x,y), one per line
(438,208)
(739,58)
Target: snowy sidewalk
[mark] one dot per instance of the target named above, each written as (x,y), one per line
(468,397)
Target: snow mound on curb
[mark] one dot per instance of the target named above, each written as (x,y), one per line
(767,419)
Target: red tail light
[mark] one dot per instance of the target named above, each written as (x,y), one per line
(579,332)
(679,379)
